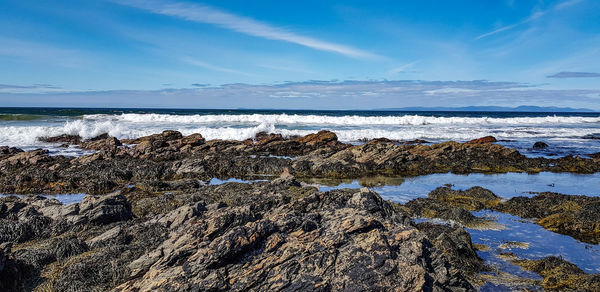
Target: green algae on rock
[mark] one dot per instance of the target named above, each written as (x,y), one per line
(560,275)
(576,216)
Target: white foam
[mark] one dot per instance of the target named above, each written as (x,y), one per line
(348,120)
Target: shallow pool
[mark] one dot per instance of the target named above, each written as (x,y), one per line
(506,185)
(63,198)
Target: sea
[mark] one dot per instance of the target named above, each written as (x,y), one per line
(565,133)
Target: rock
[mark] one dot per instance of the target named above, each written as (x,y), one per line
(540,145)
(416,141)
(5,150)
(322,137)
(109,143)
(27,158)
(435,209)
(473,199)
(483,140)
(64,138)
(332,240)
(193,140)
(263,138)
(105,209)
(456,244)
(593,136)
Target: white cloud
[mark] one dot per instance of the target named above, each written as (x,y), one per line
(245,25)
(402,68)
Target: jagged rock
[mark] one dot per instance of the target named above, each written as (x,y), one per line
(322,137)
(27,158)
(105,209)
(108,143)
(473,199)
(64,138)
(539,145)
(263,138)
(5,150)
(456,244)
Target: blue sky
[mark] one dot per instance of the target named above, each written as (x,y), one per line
(299,54)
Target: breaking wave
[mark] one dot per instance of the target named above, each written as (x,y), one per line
(349,128)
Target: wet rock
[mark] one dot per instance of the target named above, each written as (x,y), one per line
(193,140)
(64,138)
(108,143)
(561,275)
(105,209)
(539,145)
(10,271)
(473,199)
(5,150)
(322,137)
(27,158)
(576,216)
(593,136)
(435,209)
(416,141)
(263,138)
(483,140)
(456,244)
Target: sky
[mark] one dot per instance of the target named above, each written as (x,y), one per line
(299,54)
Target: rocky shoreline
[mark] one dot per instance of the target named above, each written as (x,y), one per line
(150,221)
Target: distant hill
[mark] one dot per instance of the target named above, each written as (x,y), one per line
(523,108)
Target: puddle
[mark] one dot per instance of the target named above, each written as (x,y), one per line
(216,181)
(273,156)
(63,198)
(528,240)
(506,185)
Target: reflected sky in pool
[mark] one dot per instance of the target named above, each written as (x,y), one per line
(542,243)
(63,198)
(506,185)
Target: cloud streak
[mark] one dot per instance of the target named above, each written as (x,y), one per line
(202,64)
(574,75)
(533,16)
(205,14)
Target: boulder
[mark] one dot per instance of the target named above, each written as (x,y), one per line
(322,137)
(108,143)
(64,138)
(539,145)
(104,209)
(483,140)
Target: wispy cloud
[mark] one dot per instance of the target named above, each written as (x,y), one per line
(202,64)
(402,68)
(34,88)
(35,52)
(574,75)
(205,14)
(532,17)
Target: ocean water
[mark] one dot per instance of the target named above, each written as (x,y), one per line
(564,132)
